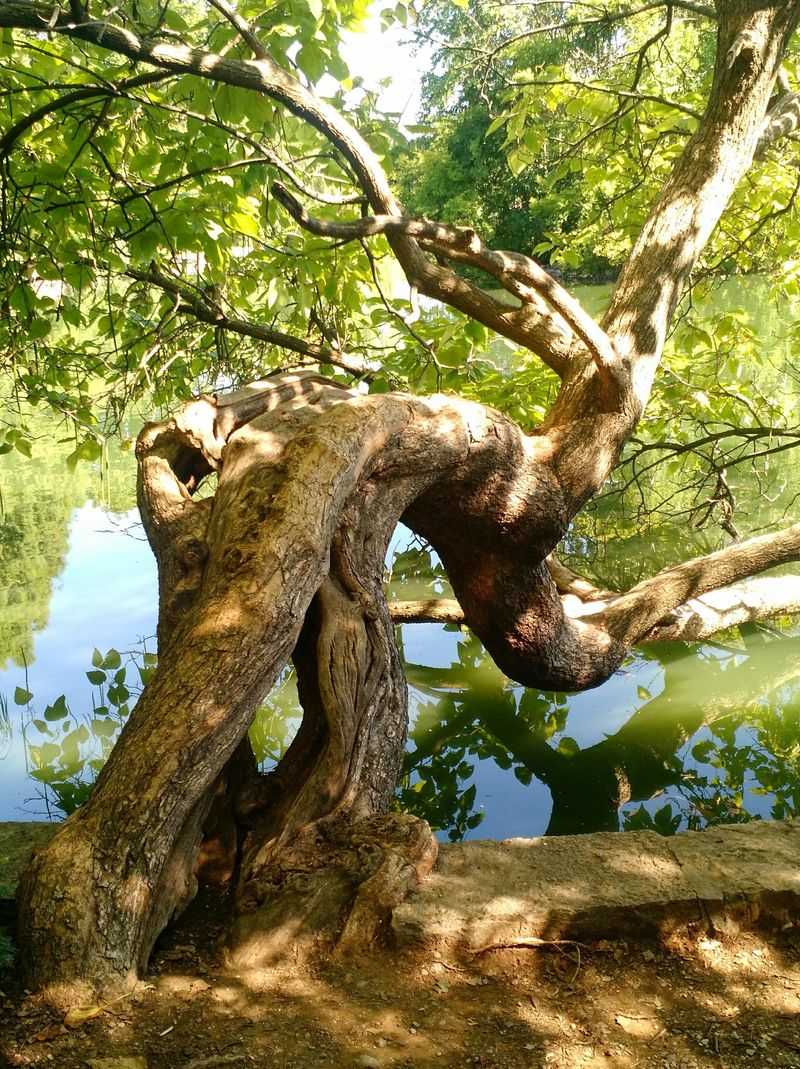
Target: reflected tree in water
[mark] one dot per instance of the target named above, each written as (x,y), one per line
(738,712)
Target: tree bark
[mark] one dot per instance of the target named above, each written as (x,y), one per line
(286,559)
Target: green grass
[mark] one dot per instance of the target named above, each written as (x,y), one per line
(6,950)
(6,942)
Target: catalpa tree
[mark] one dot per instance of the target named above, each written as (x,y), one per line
(198,205)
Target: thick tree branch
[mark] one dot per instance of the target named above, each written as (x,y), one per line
(427,611)
(632,615)
(448,610)
(751,43)
(749,601)
(752,40)
(517,273)
(783,120)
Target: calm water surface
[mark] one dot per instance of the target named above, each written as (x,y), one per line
(681,736)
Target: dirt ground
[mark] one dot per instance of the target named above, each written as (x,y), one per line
(729,1002)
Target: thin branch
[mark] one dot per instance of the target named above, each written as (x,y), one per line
(703,10)
(606,18)
(624,94)
(245,30)
(266,154)
(200,306)
(13,134)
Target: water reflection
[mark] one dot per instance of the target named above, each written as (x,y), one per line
(682,736)
(720,742)
(714,738)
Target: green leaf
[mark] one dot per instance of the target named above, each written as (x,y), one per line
(496,123)
(22,696)
(96,677)
(89,450)
(58,710)
(311,60)
(104,728)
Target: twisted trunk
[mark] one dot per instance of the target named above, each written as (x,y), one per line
(286,559)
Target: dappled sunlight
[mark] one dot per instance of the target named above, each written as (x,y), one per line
(286,560)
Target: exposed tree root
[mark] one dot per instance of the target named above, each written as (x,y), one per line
(332,886)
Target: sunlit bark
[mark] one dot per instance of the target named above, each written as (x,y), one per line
(286,559)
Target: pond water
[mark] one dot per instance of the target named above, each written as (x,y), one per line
(681,736)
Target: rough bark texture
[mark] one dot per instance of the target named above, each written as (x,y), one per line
(286,561)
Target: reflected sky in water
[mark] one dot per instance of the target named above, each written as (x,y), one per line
(680,736)
(487,758)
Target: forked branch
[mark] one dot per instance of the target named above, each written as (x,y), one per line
(518,274)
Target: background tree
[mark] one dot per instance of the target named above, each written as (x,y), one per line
(286,558)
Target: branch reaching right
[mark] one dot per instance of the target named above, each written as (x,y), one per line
(518,274)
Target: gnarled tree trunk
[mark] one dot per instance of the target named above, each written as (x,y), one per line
(286,559)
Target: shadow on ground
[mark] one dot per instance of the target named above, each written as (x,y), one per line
(700,1001)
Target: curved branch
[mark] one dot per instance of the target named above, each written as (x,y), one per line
(517,273)
(448,610)
(748,601)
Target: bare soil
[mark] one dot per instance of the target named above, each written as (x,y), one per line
(732,1002)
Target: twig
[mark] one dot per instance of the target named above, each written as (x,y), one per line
(528,943)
